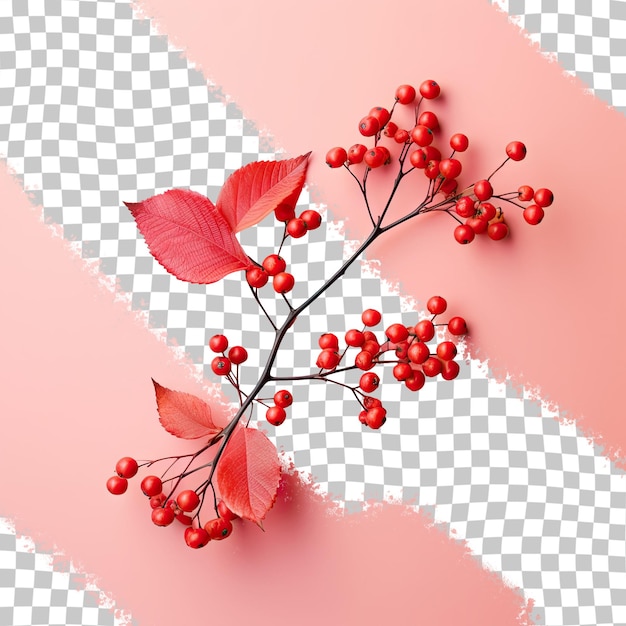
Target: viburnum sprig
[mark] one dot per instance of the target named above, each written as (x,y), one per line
(235,473)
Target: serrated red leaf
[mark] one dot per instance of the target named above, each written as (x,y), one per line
(188,236)
(255,190)
(248,474)
(183,414)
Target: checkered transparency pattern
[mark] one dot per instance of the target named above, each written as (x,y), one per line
(96,109)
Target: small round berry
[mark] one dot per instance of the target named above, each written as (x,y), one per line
(296,227)
(397,333)
(429,119)
(117,485)
(336,157)
(371,317)
(355,338)
(274,264)
(418,159)
(459,142)
(224,512)
(457,326)
(543,197)
(401,136)
(284,212)
(363,417)
(436,305)
(429,89)
(328,341)
(311,218)
(450,168)
(151,486)
(364,360)
(416,381)
(483,190)
(356,153)
(276,415)
(369,382)
(533,214)
(369,402)
(257,277)
(372,346)
(418,352)
(376,417)
(126,467)
(425,330)
(327,360)
(381,114)
(163,516)
(450,370)
(497,231)
(196,537)
(283,282)
(525,193)
(402,371)
(221,366)
(391,129)
(516,150)
(376,157)
(283,398)
(477,224)
(184,519)
(238,355)
(432,153)
(422,135)
(431,367)
(158,500)
(218,343)
(405,94)
(486,211)
(219,528)
(446,350)
(464,233)
(369,126)
(465,206)
(432,170)
(187,500)
(448,186)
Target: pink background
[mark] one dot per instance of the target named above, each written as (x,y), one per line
(546,307)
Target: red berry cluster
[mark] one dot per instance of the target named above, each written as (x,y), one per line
(222,365)
(274,265)
(183,507)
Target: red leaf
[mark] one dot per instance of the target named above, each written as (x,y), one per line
(183,414)
(188,236)
(248,474)
(255,190)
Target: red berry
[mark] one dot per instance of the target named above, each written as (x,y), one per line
(276,415)
(363,417)
(158,500)
(355,338)
(283,398)
(422,135)
(376,157)
(450,168)
(418,159)
(369,382)
(238,355)
(376,417)
(483,190)
(448,186)
(402,350)
(432,153)
(283,282)
(401,136)
(328,341)
(163,516)
(477,224)
(336,157)
(371,317)
(274,264)
(464,233)
(219,528)
(327,360)
(465,206)
(429,89)
(402,371)
(221,366)
(436,305)
(497,231)
(431,366)
(126,467)
(405,94)
(369,402)
(459,142)
(391,129)
(544,197)
(224,512)
(381,114)
(516,150)
(418,352)
(218,343)
(397,333)
(450,370)
(429,119)
(486,211)
(257,277)
(416,381)
(425,330)
(284,212)
(151,486)
(533,214)
(372,346)
(356,153)
(196,537)
(457,326)
(311,218)
(369,126)
(525,193)
(446,350)
(185,520)
(296,227)
(432,169)
(117,485)
(364,360)
(187,500)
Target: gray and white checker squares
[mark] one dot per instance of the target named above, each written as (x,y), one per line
(534,500)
